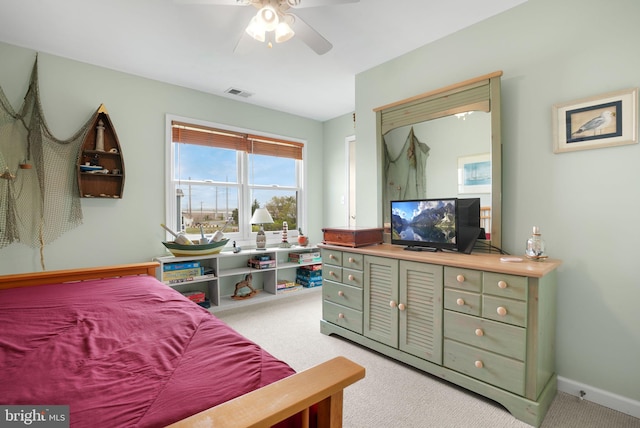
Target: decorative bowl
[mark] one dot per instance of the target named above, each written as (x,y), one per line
(179,250)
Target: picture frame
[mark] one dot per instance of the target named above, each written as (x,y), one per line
(605,120)
(474,173)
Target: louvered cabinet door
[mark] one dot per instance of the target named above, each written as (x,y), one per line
(420,310)
(381,300)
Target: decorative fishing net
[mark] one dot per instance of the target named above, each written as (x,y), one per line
(39,197)
(405,174)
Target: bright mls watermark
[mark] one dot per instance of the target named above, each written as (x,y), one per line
(34,416)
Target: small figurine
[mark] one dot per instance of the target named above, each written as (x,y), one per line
(285,229)
(100,136)
(244,290)
(303,241)
(236,249)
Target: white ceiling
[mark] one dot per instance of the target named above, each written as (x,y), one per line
(192,45)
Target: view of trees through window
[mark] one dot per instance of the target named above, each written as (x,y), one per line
(217,185)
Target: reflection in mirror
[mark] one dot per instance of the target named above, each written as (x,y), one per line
(451,148)
(440,148)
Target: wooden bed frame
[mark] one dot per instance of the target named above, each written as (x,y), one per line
(322,384)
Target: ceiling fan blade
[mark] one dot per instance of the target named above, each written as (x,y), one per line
(310,36)
(298,4)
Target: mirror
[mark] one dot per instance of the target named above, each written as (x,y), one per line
(445,143)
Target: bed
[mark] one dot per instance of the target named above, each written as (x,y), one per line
(122,349)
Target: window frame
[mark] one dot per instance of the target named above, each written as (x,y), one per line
(245,236)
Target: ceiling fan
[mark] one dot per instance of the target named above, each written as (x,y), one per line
(274,20)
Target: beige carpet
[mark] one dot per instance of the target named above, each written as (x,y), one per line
(393,394)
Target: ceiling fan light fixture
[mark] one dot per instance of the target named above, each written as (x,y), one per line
(268,17)
(256,30)
(283,32)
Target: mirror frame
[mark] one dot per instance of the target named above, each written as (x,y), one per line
(480,93)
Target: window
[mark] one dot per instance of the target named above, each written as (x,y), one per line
(217,177)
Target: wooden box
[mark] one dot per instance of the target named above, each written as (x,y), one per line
(352,236)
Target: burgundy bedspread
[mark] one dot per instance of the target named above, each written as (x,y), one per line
(123,352)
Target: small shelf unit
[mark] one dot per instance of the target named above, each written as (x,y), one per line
(228,268)
(96,184)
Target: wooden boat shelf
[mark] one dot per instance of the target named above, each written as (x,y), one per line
(107,157)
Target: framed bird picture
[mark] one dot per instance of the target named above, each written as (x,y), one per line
(602,121)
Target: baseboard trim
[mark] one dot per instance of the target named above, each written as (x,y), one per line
(599,396)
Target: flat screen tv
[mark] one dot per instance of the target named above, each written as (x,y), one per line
(425,224)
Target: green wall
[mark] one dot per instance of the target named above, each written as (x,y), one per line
(586,203)
(550,52)
(128,230)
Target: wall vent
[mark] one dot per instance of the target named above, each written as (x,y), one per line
(238,92)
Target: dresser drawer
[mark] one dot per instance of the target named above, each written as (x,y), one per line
(342,316)
(464,279)
(486,366)
(333,273)
(507,340)
(352,277)
(502,285)
(332,257)
(353,261)
(342,294)
(461,301)
(504,310)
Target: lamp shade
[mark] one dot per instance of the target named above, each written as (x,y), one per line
(261,216)
(283,32)
(268,18)
(256,30)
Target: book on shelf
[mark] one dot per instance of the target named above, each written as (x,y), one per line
(315,267)
(189,279)
(305,257)
(195,296)
(180,265)
(182,273)
(307,254)
(309,282)
(258,264)
(289,289)
(310,260)
(282,284)
(307,273)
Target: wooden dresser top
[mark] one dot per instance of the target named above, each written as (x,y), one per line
(479,261)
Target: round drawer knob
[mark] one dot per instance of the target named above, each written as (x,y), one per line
(478,364)
(331,256)
(479,332)
(393,304)
(341,293)
(402,307)
(332,273)
(351,260)
(460,302)
(460,278)
(502,284)
(351,277)
(340,315)
(502,311)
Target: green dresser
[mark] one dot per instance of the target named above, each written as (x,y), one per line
(342,289)
(485,325)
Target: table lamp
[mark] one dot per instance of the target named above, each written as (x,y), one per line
(261,216)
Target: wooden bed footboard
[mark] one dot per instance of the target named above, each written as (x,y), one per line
(80,274)
(322,384)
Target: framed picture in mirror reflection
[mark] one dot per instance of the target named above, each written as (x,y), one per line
(474,174)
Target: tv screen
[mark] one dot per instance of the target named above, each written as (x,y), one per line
(425,224)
